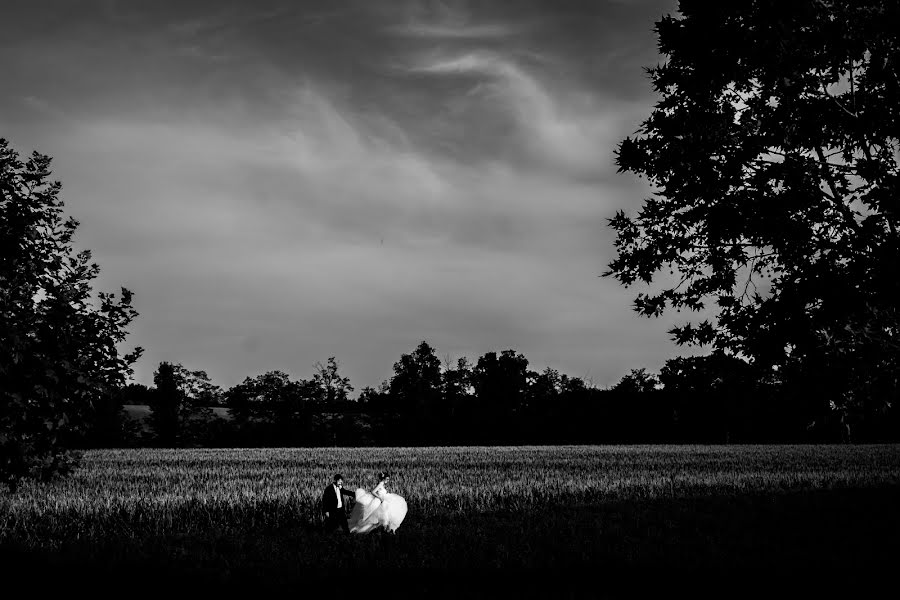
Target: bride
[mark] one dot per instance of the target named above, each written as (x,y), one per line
(378,508)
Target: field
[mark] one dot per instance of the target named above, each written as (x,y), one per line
(228,516)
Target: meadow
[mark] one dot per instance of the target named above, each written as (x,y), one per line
(220,516)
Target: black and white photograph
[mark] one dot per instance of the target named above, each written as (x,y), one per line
(449,298)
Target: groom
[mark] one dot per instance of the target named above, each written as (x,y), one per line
(333,505)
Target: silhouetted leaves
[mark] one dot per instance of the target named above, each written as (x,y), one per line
(773,155)
(59,356)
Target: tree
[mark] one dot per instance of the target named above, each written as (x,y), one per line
(109,426)
(871,403)
(198,388)
(257,397)
(773,154)
(637,381)
(545,387)
(168,404)
(179,407)
(136,393)
(272,408)
(636,411)
(457,383)
(376,399)
(716,398)
(417,378)
(501,380)
(59,347)
(332,386)
(415,391)
(501,384)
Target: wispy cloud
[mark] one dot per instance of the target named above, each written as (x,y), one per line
(228,19)
(45,108)
(459,31)
(454,20)
(577,143)
(345,183)
(330,224)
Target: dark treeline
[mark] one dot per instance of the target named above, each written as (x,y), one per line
(496,400)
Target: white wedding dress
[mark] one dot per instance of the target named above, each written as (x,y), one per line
(379,508)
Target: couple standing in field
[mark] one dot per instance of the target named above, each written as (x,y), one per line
(371,510)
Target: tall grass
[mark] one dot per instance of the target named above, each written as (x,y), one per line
(146,492)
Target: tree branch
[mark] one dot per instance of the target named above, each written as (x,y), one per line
(828,178)
(836,101)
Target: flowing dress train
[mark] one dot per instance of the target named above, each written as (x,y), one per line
(378,508)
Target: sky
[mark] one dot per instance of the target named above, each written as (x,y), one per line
(279,182)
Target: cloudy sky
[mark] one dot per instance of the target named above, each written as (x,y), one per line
(280,182)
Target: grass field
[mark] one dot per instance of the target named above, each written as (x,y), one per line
(233,515)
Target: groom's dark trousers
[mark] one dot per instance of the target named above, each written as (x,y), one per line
(336,517)
(337,520)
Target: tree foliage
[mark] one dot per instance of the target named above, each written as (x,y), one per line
(415,392)
(773,155)
(501,382)
(59,351)
(416,383)
(256,397)
(180,402)
(167,405)
(637,381)
(274,406)
(457,383)
(332,386)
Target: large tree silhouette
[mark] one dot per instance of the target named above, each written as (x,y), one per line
(773,156)
(415,391)
(501,386)
(59,344)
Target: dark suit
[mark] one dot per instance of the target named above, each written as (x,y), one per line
(335,517)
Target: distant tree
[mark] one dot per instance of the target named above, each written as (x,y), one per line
(375,398)
(367,394)
(257,397)
(545,387)
(168,405)
(457,383)
(453,414)
(332,386)
(545,406)
(717,398)
(637,381)
(553,395)
(635,410)
(180,404)
(107,427)
(501,385)
(574,385)
(415,391)
(274,409)
(376,404)
(501,380)
(59,353)
(417,378)
(200,425)
(773,154)
(110,425)
(198,388)
(581,408)
(136,393)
